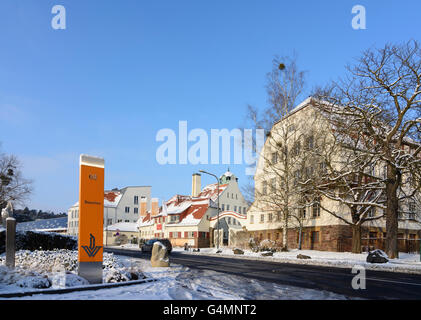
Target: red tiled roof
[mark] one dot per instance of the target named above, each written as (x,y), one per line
(110,196)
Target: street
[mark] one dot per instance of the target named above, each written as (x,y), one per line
(379,284)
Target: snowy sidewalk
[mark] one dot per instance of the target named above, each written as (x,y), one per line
(407,263)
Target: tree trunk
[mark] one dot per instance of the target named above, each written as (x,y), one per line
(356,238)
(285,233)
(392,205)
(300,234)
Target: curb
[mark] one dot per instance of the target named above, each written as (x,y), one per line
(75,289)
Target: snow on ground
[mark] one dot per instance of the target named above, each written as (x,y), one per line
(56,269)
(409,263)
(41,224)
(182,283)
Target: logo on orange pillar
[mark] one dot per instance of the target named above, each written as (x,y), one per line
(92,250)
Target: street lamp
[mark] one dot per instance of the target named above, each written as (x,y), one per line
(217,223)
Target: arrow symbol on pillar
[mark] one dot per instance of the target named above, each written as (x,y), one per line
(92,250)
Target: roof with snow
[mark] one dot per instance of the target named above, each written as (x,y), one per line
(123,226)
(211,191)
(111,199)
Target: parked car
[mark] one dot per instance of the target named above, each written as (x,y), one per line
(148,245)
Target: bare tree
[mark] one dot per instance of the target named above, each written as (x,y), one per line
(285,85)
(13,187)
(349,179)
(381,97)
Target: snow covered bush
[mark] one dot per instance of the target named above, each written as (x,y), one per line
(36,240)
(263,246)
(268,245)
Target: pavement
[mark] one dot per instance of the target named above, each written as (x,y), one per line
(379,284)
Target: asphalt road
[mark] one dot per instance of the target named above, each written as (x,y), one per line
(379,284)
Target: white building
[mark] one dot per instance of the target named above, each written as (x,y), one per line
(124,205)
(192,219)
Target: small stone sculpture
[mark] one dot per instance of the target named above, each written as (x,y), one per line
(6,213)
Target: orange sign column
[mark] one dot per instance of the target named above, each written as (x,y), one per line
(91,218)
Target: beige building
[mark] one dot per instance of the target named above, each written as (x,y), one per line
(120,233)
(321,230)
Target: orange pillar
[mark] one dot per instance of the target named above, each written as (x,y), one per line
(91,218)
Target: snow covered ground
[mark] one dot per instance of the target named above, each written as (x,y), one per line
(42,224)
(181,283)
(409,263)
(57,269)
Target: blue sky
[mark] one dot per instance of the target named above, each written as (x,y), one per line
(122,70)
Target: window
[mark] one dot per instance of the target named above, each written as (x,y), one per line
(109,221)
(316,210)
(315,238)
(228,207)
(264,188)
(309,172)
(302,212)
(222,207)
(323,167)
(119,220)
(244,210)
(136,210)
(372,235)
(274,157)
(235,208)
(126,220)
(127,209)
(136,200)
(262,218)
(229,220)
(251,219)
(273,185)
(270,217)
(371,212)
(310,143)
(297,176)
(228,195)
(296,149)
(236,196)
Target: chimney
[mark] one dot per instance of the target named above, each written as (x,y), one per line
(154,207)
(143,206)
(196,185)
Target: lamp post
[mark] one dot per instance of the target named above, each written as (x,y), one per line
(217,223)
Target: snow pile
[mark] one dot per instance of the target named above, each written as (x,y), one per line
(58,269)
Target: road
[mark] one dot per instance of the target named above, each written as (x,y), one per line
(379,284)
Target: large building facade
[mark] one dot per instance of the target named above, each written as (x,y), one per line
(320,230)
(125,205)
